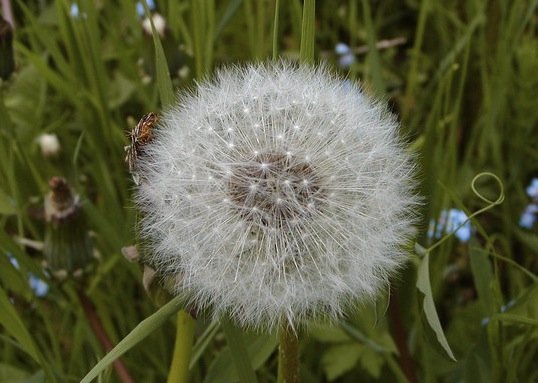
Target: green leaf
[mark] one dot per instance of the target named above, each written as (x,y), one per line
(476,369)
(203,342)
(7,204)
(526,304)
(14,327)
(144,328)
(328,334)
(515,319)
(164,83)
(420,250)
(428,306)
(258,348)
(338,360)
(372,362)
(12,374)
(483,280)
(239,353)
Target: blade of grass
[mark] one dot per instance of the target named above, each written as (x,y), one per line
(308,28)
(240,356)
(164,83)
(144,328)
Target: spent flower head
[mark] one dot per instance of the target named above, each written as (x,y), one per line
(276,193)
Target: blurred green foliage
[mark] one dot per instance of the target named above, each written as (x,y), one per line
(461,75)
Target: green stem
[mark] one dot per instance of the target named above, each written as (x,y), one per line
(288,355)
(412,76)
(241,360)
(275,30)
(179,369)
(308,29)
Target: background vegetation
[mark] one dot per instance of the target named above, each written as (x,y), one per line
(461,75)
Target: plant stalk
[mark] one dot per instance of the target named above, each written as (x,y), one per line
(179,368)
(288,354)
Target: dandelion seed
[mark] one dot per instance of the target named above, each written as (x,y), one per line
(285,230)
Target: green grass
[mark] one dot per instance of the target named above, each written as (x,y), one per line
(464,85)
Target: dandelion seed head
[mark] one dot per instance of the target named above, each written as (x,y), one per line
(286,224)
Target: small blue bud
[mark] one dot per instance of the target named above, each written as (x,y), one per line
(342,49)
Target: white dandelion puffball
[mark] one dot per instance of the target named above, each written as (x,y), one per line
(276,193)
(49,144)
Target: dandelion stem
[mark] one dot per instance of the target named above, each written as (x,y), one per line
(288,355)
(399,335)
(179,369)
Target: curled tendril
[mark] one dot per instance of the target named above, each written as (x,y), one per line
(421,251)
(499,199)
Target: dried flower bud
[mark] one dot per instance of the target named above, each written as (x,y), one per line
(67,248)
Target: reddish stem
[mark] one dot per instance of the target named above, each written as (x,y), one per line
(398,333)
(100,333)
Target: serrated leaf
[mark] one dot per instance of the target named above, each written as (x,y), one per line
(337,360)
(428,306)
(372,362)
(328,334)
(259,348)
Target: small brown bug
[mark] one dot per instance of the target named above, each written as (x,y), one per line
(140,136)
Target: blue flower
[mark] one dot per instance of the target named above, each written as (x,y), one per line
(74,11)
(38,286)
(347,58)
(457,218)
(449,222)
(342,49)
(532,189)
(140,7)
(13,261)
(528,217)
